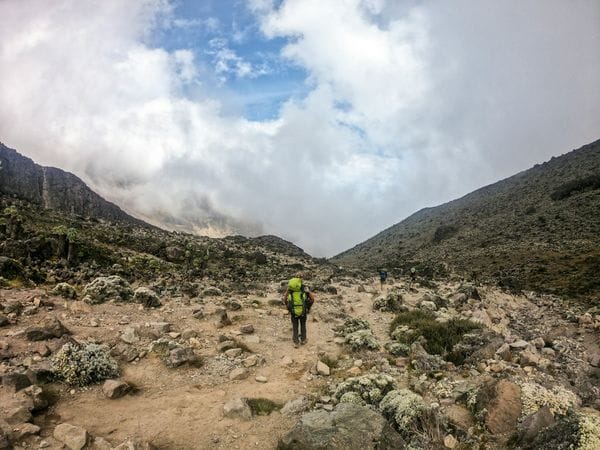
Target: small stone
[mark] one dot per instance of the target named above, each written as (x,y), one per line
(174,334)
(323,369)
(75,438)
(188,333)
(23,430)
(4,321)
(339,340)
(130,335)
(160,327)
(504,352)
(251,339)
(44,444)
(250,361)
(15,381)
(358,363)
(94,323)
(354,371)
(247,329)
(239,373)
(547,351)
(295,406)
(237,408)
(115,388)
(233,352)
(450,441)
(261,379)
(519,345)
(595,360)
(539,343)
(287,361)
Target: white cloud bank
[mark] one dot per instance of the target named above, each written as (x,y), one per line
(411,104)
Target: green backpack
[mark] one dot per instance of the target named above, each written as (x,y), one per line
(297,298)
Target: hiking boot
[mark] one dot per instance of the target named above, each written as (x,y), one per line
(303,342)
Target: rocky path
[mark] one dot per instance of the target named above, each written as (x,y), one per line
(244,343)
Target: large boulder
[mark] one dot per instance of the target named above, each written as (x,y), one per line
(347,427)
(103,289)
(51,328)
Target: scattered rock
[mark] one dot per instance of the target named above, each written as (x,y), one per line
(4,321)
(24,430)
(323,369)
(146,297)
(222,319)
(450,441)
(239,373)
(233,352)
(130,335)
(75,438)
(181,355)
(198,313)
(247,329)
(295,406)
(51,328)
(237,409)
(115,388)
(533,424)
(261,379)
(15,381)
(251,361)
(347,427)
(519,345)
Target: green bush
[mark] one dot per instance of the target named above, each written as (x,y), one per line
(80,365)
(440,336)
(572,187)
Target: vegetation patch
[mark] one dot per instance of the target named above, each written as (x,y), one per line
(565,190)
(440,336)
(80,365)
(263,406)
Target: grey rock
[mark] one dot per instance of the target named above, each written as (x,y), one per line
(130,335)
(37,396)
(15,381)
(4,321)
(238,409)
(179,356)
(247,329)
(132,444)
(519,345)
(323,369)
(348,427)
(51,328)
(239,373)
(295,406)
(75,438)
(534,423)
(24,430)
(146,297)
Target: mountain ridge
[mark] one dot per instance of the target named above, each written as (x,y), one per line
(520,231)
(54,188)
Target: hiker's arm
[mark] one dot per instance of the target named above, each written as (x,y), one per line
(311,296)
(285,297)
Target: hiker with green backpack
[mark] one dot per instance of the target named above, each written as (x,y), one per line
(298,300)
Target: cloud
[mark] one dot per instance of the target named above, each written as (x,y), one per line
(408,104)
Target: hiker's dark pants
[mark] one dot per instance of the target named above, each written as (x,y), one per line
(295,321)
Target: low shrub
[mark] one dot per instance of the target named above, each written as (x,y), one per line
(80,365)
(440,336)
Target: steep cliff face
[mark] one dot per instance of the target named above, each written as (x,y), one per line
(54,188)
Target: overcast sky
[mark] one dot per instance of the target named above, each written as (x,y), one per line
(321,121)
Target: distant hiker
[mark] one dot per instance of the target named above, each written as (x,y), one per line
(382,277)
(413,275)
(298,300)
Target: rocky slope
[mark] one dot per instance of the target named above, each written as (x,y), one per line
(53,188)
(537,230)
(120,336)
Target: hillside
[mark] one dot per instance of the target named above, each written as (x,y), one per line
(116,335)
(537,230)
(54,188)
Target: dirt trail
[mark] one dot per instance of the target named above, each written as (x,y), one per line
(183,408)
